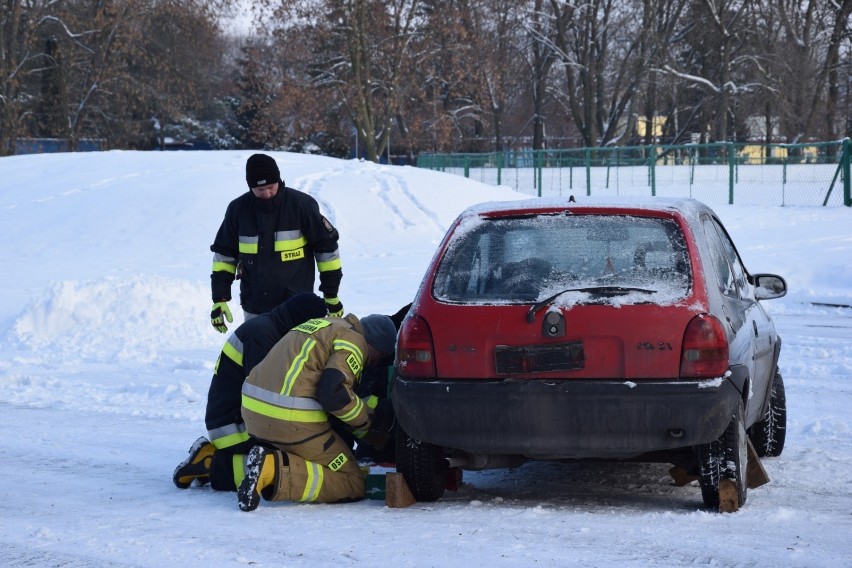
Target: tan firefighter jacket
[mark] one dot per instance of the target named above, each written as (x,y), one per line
(310,373)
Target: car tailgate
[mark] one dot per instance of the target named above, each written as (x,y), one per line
(640,341)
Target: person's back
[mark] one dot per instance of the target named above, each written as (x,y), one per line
(244,349)
(211,458)
(288,399)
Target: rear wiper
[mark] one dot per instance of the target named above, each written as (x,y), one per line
(598,290)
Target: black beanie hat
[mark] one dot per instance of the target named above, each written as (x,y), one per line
(261,170)
(306,306)
(380,332)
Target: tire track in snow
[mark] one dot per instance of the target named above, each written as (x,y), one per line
(390,184)
(391,190)
(312,184)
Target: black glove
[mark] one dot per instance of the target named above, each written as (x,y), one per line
(383,416)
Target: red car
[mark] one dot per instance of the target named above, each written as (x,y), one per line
(560,330)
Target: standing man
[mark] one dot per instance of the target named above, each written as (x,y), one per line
(288,398)
(269,240)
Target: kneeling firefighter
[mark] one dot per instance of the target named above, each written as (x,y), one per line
(289,398)
(220,457)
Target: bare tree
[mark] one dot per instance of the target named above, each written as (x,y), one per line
(603,59)
(20,58)
(495,32)
(540,56)
(717,62)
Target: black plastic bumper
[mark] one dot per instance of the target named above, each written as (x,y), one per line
(565,419)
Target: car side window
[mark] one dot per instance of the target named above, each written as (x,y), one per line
(739,272)
(724,272)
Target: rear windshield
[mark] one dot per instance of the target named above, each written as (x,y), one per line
(578,258)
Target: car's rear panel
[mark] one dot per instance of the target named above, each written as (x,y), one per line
(645,343)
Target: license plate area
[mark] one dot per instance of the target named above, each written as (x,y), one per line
(539,358)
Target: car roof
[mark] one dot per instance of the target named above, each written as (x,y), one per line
(583,204)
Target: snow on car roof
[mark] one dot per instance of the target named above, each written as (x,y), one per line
(685,205)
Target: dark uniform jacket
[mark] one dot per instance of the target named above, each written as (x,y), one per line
(244,349)
(272,247)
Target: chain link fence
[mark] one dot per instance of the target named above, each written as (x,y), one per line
(744,174)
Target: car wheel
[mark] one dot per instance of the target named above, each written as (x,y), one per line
(769,434)
(423,466)
(725,458)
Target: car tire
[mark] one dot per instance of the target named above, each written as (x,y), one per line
(725,458)
(423,466)
(768,435)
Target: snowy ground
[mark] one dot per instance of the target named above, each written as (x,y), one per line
(108,353)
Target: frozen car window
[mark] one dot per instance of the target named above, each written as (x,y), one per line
(725,275)
(739,272)
(592,257)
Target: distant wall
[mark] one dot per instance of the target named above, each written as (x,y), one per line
(54,145)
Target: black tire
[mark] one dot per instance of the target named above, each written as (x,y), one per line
(725,458)
(768,435)
(423,466)
(709,459)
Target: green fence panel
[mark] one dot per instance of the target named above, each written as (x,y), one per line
(720,173)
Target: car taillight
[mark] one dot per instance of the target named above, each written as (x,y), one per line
(415,353)
(705,348)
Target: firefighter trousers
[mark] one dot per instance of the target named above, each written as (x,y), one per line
(321,470)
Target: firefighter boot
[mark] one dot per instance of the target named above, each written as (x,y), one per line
(260,473)
(196,466)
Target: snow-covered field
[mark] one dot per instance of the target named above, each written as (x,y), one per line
(108,353)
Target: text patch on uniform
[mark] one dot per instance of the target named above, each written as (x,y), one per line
(292,255)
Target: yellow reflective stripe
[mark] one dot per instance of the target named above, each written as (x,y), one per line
(230,440)
(224,267)
(326,266)
(275,399)
(248,245)
(233,350)
(316,474)
(327,261)
(343,345)
(290,244)
(372,401)
(287,414)
(359,405)
(238,462)
(297,366)
(224,263)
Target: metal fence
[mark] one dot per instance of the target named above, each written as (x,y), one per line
(745,174)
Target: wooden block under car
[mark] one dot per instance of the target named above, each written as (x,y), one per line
(397,493)
(755,473)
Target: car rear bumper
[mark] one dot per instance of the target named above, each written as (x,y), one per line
(565,419)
